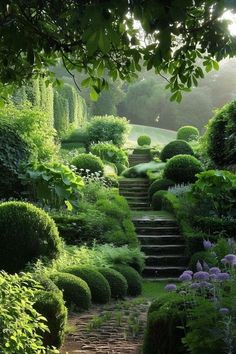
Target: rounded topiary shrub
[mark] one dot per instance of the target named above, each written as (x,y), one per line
(202,257)
(88,162)
(117,282)
(51,305)
(13,152)
(144,140)
(76,291)
(182,169)
(188,133)
(157,199)
(176,147)
(132,277)
(220,136)
(26,233)
(98,285)
(159,184)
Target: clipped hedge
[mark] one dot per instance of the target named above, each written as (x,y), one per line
(98,285)
(117,282)
(188,133)
(176,147)
(144,140)
(50,304)
(26,234)
(111,153)
(75,290)
(182,169)
(157,200)
(132,277)
(159,184)
(88,162)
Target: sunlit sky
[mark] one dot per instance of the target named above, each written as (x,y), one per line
(232,17)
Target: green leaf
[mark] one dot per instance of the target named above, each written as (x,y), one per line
(93,95)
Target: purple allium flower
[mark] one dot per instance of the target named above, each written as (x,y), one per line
(223,261)
(189,272)
(205,284)
(222,276)
(195,286)
(199,266)
(170,287)
(230,259)
(224,311)
(201,275)
(214,270)
(213,276)
(185,277)
(205,266)
(207,244)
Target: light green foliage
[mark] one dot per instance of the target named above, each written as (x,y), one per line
(117,282)
(188,133)
(27,233)
(89,162)
(75,290)
(144,140)
(21,325)
(132,277)
(176,147)
(32,125)
(54,184)
(111,153)
(61,113)
(182,169)
(221,137)
(157,199)
(13,152)
(142,169)
(108,128)
(98,285)
(50,304)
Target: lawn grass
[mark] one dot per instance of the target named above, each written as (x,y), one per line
(153,289)
(158,135)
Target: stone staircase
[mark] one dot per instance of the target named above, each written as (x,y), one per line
(135,190)
(163,246)
(136,159)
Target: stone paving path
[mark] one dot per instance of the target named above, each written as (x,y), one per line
(116,328)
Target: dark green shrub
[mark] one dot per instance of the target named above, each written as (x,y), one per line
(79,136)
(98,285)
(108,128)
(159,184)
(112,180)
(164,331)
(188,133)
(182,169)
(89,162)
(27,233)
(13,152)
(144,140)
(176,147)
(75,290)
(46,282)
(202,256)
(111,153)
(117,282)
(120,168)
(157,200)
(215,225)
(221,136)
(132,277)
(144,150)
(50,304)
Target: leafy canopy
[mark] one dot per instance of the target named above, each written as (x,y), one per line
(175,37)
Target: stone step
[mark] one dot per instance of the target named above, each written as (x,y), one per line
(131,193)
(163,272)
(167,260)
(138,198)
(154,222)
(163,249)
(137,208)
(157,230)
(161,239)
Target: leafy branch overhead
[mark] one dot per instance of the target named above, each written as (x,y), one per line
(180,39)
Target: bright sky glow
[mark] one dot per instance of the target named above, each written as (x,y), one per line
(232,17)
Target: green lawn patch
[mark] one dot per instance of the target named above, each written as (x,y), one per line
(157,135)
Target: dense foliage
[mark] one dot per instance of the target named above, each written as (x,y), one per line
(132,277)
(176,147)
(159,184)
(98,285)
(144,140)
(157,199)
(221,136)
(182,169)
(188,133)
(89,162)
(27,233)
(117,282)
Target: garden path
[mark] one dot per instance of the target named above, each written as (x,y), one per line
(116,328)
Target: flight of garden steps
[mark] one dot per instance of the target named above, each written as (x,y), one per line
(136,159)
(160,238)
